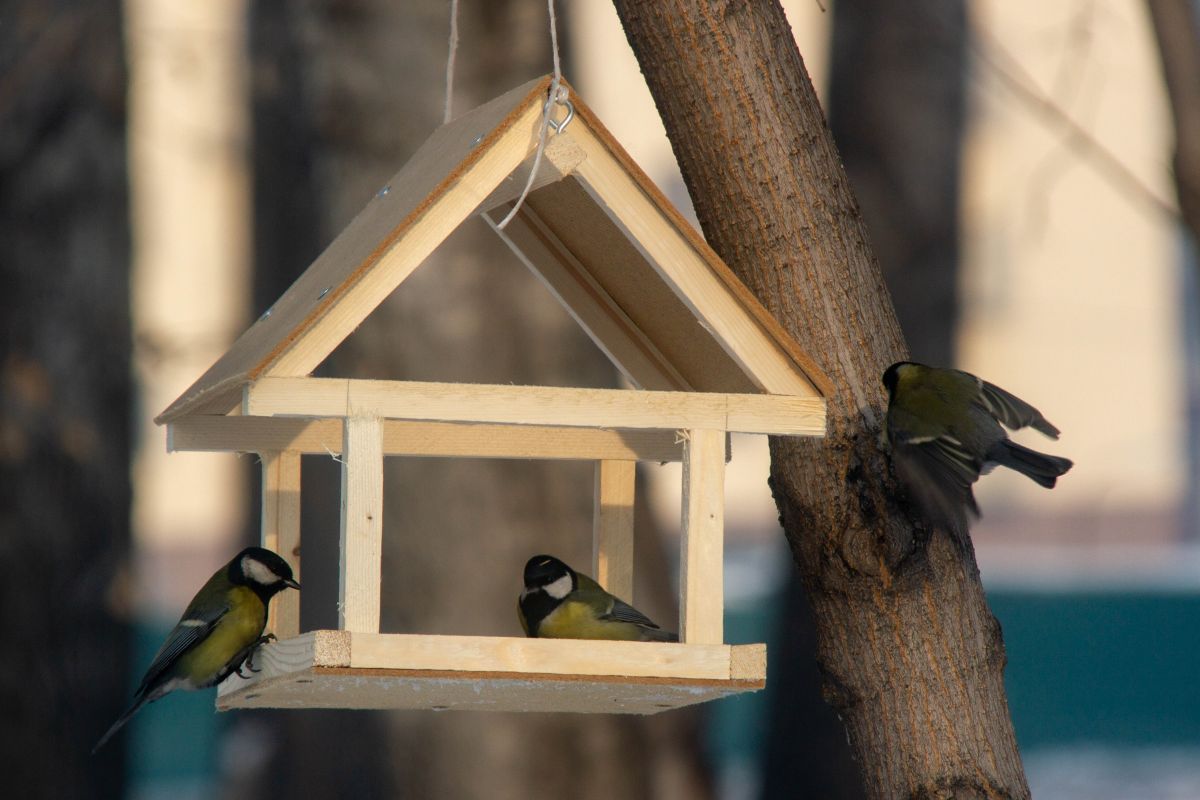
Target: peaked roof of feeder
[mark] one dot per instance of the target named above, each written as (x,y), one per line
(632,271)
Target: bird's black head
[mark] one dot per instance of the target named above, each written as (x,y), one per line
(891,375)
(550,575)
(261,570)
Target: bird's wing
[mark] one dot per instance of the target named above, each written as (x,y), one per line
(958,463)
(938,473)
(191,630)
(619,611)
(1012,411)
(623,612)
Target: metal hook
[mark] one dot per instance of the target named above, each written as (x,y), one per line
(562,100)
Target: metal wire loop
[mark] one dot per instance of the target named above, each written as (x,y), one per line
(559,127)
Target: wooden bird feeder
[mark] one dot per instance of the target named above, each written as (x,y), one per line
(703,355)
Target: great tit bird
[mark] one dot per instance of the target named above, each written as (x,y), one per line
(218,631)
(944,430)
(560,603)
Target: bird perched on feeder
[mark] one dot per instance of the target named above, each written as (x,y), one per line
(944,430)
(560,603)
(218,631)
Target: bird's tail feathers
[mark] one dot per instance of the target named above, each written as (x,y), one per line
(658,635)
(1041,468)
(141,700)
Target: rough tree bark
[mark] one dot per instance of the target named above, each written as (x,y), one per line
(897,107)
(65,393)
(912,657)
(349,92)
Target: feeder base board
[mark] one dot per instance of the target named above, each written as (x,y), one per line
(340,669)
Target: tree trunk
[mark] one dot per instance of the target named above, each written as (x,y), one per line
(64,398)
(1176,25)
(897,104)
(912,657)
(350,94)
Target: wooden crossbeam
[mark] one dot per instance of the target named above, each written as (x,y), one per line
(503,654)
(419,438)
(537,405)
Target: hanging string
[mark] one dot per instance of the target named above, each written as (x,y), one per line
(547,114)
(450,60)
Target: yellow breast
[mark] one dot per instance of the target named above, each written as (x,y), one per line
(577,621)
(236,631)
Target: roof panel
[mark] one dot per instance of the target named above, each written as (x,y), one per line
(661,300)
(357,251)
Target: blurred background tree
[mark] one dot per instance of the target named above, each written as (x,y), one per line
(65,396)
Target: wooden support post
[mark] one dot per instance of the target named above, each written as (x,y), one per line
(612,527)
(281,532)
(701,587)
(362,525)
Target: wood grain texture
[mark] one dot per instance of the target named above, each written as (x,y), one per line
(912,657)
(475,162)
(443,183)
(280,532)
(681,266)
(618,267)
(612,528)
(340,669)
(807,362)
(536,405)
(601,317)
(748,662)
(361,543)
(560,157)
(702,543)
(461,691)
(417,438)
(541,656)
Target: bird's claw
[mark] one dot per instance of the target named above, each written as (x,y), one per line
(248,661)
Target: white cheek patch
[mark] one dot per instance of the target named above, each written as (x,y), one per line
(559,588)
(258,572)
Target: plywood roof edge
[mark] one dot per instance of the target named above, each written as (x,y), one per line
(771,326)
(199,401)
(202,391)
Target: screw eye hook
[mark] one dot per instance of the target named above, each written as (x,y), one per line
(562,100)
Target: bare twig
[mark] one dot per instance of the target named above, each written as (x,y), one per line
(1008,70)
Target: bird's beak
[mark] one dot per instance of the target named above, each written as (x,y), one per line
(291,583)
